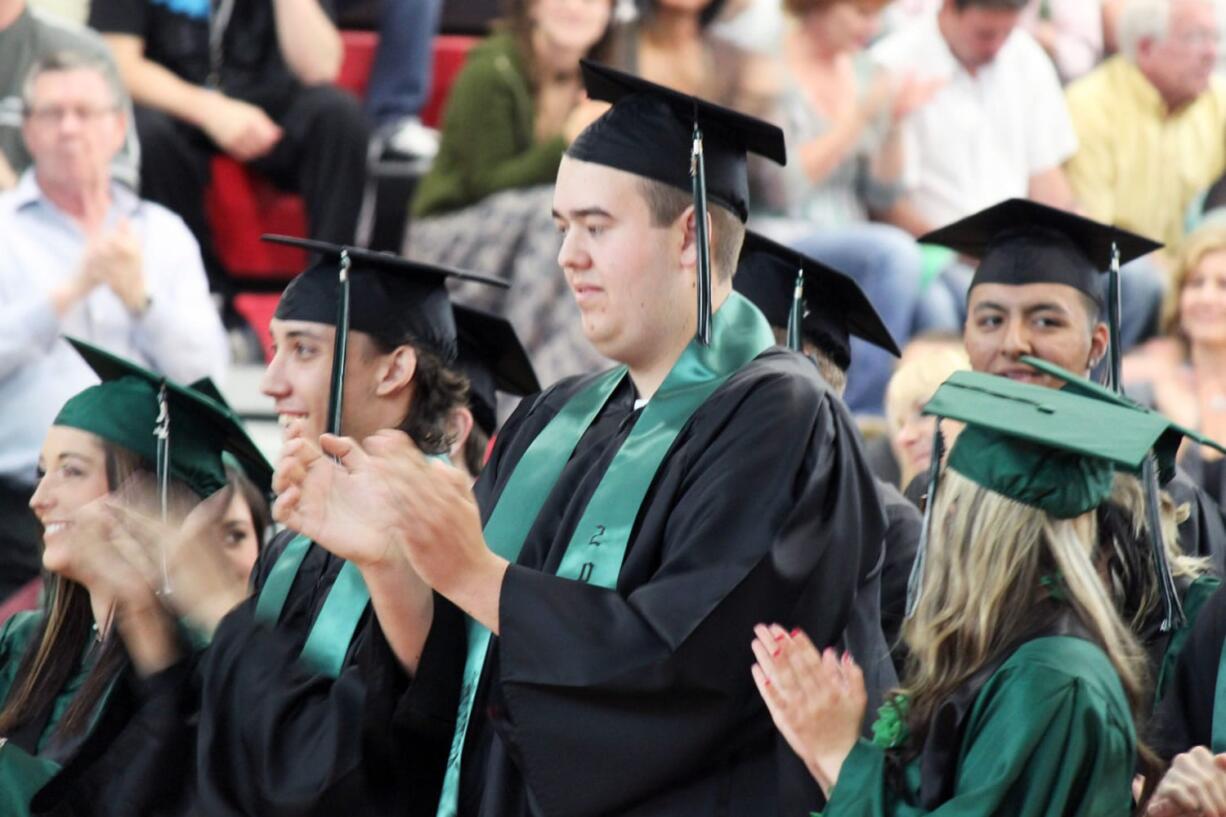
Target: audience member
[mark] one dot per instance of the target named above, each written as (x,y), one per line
(996,129)
(485,204)
(843,120)
(673,44)
(1184,372)
(1070,31)
(400,76)
(82,255)
(248,79)
(924,366)
(26,35)
(1144,176)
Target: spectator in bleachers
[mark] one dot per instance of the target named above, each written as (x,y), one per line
(400,77)
(485,204)
(27,35)
(1183,374)
(672,43)
(82,255)
(1143,176)
(251,79)
(997,129)
(843,119)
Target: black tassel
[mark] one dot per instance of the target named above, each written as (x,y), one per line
(915,580)
(340,346)
(698,173)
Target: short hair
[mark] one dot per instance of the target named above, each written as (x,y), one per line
(800,8)
(666,203)
(438,389)
(834,374)
(1141,20)
(73,61)
(992,5)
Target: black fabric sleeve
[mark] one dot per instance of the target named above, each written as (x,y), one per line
(659,676)
(119,17)
(1184,718)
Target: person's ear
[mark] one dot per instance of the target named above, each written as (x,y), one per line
(688,221)
(395,371)
(1100,343)
(459,426)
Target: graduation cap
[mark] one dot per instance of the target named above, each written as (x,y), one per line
(679,140)
(1044,448)
(810,298)
(182,432)
(388,297)
(1019,241)
(240,448)
(494,360)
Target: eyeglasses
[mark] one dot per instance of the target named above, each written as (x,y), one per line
(55,114)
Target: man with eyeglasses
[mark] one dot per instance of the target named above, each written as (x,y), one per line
(82,255)
(1143,176)
(26,35)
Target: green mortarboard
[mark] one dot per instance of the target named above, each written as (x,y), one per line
(1166,448)
(388,297)
(1023,242)
(1042,447)
(834,308)
(127,409)
(494,360)
(679,140)
(241,450)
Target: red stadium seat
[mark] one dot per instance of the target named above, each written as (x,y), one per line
(257,309)
(242,205)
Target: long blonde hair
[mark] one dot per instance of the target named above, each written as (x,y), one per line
(983,591)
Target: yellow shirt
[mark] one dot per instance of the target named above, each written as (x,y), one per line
(1139,166)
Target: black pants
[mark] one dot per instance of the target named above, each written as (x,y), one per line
(21,539)
(322,155)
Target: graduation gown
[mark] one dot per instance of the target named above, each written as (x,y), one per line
(278,738)
(1050,733)
(904,524)
(638,700)
(31,756)
(1184,717)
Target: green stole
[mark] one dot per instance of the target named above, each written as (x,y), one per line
(330,636)
(598,545)
(21,777)
(1219,706)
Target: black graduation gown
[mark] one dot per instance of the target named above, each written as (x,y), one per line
(904,524)
(1184,718)
(1203,533)
(277,738)
(638,700)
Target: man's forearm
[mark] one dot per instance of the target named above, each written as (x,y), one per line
(478,592)
(907,216)
(155,86)
(309,41)
(404,607)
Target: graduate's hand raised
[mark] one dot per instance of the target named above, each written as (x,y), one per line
(341,495)
(1194,785)
(816,699)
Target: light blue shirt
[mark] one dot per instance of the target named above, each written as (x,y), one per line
(179,335)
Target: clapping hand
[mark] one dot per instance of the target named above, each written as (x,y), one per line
(1194,785)
(817,700)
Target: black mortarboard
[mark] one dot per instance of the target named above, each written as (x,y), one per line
(1023,242)
(834,308)
(649,132)
(391,299)
(388,297)
(679,140)
(494,360)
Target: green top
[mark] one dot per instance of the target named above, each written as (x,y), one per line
(489,139)
(1049,734)
(15,636)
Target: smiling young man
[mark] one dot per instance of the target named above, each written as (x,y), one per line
(1039,291)
(632,526)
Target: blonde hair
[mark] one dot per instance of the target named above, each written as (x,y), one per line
(1205,240)
(983,591)
(917,378)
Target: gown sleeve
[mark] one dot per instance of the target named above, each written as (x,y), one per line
(657,674)
(1049,735)
(1184,718)
(277,738)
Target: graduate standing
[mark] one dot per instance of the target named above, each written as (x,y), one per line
(1022,683)
(628,521)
